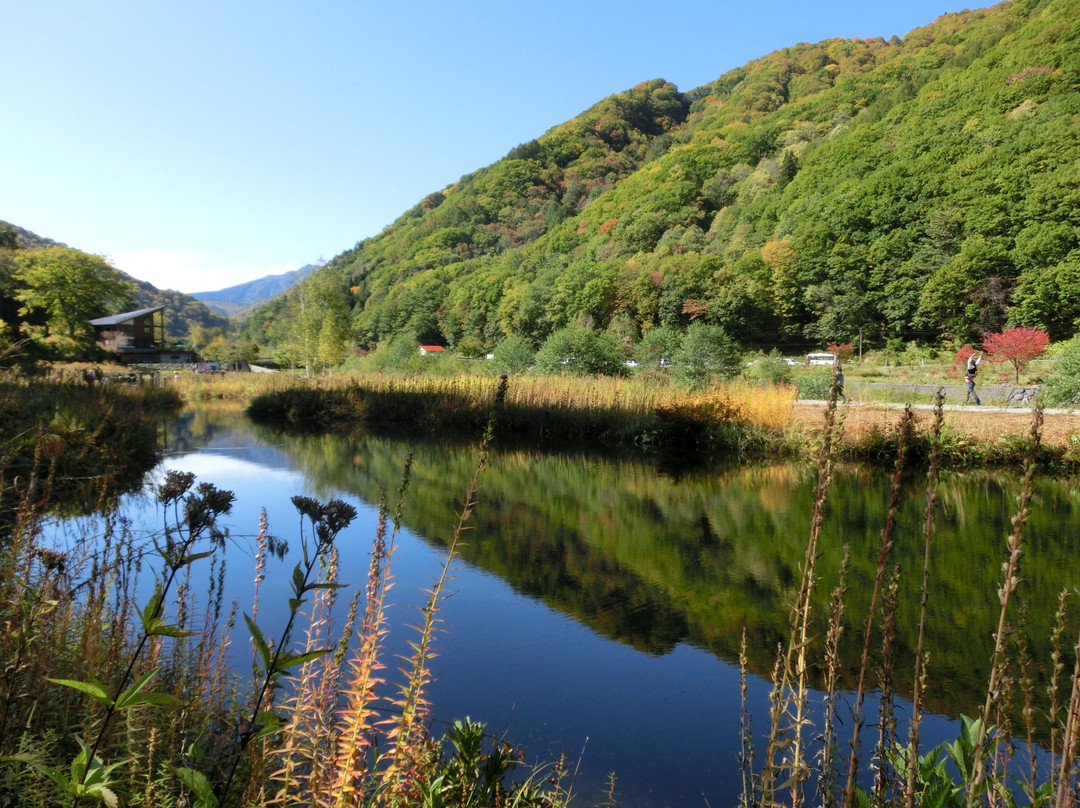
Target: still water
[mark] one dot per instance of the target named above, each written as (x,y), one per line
(598,606)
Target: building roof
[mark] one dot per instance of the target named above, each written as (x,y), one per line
(432,348)
(116,319)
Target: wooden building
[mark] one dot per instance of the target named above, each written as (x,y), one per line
(137,336)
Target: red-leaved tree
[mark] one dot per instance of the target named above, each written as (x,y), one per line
(843,350)
(1017,346)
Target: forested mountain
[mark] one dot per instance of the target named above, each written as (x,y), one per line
(27,240)
(182,310)
(918,188)
(235,299)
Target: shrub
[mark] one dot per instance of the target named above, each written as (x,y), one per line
(707,352)
(581,351)
(513,355)
(816,384)
(1061,387)
(770,369)
(658,344)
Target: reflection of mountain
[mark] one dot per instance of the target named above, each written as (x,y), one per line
(653,562)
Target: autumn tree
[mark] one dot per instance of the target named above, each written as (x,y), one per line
(199,337)
(69,287)
(1017,346)
(844,351)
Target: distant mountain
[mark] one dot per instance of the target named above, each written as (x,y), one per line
(235,299)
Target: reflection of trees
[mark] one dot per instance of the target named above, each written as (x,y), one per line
(652,561)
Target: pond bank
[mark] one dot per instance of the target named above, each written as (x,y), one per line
(972,436)
(692,425)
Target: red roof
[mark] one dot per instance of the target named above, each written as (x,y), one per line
(432,348)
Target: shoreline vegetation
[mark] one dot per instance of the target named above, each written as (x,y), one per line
(107,697)
(737,419)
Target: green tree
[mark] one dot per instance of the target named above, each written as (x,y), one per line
(1049,297)
(1061,386)
(514,354)
(658,345)
(335,332)
(70,287)
(9,237)
(968,295)
(318,313)
(581,351)
(706,353)
(9,243)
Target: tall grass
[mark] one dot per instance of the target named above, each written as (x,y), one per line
(80,442)
(108,700)
(979,768)
(550,410)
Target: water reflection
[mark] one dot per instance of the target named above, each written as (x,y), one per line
(653,562)
(600,594)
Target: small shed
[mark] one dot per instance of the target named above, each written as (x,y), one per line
(425,350)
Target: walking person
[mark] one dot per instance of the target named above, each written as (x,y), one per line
(839,382)
(972,369)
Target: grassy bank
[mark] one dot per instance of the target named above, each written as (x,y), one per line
(554,410)
(735,418)
(76,444)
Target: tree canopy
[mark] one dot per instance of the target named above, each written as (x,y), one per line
(70,287)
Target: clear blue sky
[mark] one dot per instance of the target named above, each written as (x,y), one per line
(203,144)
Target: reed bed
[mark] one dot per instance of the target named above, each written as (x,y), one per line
(550,410)
(86,443)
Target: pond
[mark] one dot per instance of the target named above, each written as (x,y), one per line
(598,606)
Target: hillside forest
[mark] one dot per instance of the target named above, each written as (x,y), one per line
(924,188)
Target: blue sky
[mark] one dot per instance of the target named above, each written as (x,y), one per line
(202,144)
